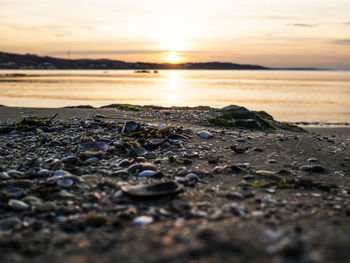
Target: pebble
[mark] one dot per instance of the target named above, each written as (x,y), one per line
(205,135)
(65,182)
(312,160)
(143,220)
(18,204)
(312,168)
(272,161)
(147,173)
(61,173)
(4,176)
(130,126)
(258,149)
(10,223)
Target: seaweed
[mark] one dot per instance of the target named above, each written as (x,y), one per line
(126,107)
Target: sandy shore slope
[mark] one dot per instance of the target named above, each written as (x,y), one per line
(248,196)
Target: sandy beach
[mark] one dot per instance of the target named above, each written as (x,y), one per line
(220,194)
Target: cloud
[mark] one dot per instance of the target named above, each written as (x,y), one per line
(340,41)
(302,25)
(55,30)
(118,52)
(281,17)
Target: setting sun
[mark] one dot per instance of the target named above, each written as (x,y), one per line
(172,57)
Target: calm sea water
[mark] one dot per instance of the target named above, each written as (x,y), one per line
(287,95)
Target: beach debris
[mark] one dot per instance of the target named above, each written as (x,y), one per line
(153,190)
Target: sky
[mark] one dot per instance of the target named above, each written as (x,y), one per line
(275,33)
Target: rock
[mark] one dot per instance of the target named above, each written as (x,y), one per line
(239,150)
(272,161)
(149,166)
(4,176)
(258,149)
(17,204)
(205,135)
(99,116)
(10,223)
(47,206)
(130,126)
(95,146)
(94,220)
(235,196)
(268,175)
(61,173)
(312,160)
(152,190)
(312,168)
(143,220)
(120,173)
(65,182)
(147,173)
(240,140)
(164,129)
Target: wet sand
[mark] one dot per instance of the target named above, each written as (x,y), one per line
(254,197)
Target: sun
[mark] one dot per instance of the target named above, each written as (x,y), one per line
(172,57)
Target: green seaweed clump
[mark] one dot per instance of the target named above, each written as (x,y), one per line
(127,107)
(234,116)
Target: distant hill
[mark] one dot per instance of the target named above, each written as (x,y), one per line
(30,61)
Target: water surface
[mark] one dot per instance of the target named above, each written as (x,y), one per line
(287,95)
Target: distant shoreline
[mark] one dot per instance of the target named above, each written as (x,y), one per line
(11,61)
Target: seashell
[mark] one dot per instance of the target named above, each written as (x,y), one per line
(152,190)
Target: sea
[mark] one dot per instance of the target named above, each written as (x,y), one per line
(295,96)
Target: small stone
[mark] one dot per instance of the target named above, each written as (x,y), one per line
(235,196)
(121,173)
(130,126)
(205,135)
(147,173)
(94,220)
(65,182)
(240,140)
(10,223)
(61,173)
(269,175)
(143,220)
(95,146)
(312,168)
(312,160)
(4,176)
(45,207)
(99,116)
(239,150)
(149,166)
(43,173)
(169,154)
(258,149)
(272,161)
(17,204)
